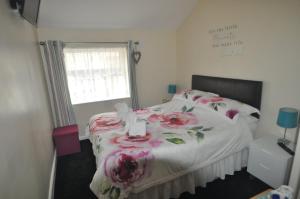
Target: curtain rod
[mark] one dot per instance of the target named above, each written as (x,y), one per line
(136,43)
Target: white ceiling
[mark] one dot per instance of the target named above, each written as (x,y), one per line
(114,14)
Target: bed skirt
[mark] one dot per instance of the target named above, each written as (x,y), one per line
(188,182)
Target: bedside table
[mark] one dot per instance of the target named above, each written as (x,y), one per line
(269,162)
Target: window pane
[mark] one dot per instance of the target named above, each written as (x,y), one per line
(97,73)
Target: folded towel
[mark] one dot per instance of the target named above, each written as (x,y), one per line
(134,126)
(122,111)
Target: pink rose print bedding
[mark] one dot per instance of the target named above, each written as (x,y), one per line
(192,95)
(135,142)
(174,120)
(123,168)
(228,108)
(180,139)
(142,111)
(104,123)
(220,105)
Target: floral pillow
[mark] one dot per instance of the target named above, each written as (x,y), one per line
(192,95)
(228,108)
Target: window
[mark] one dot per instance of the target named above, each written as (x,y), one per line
(97,72)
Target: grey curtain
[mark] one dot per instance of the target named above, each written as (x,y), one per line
(55,72)
(132,76)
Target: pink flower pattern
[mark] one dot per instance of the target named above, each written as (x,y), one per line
(210,100)
(142,111)
(124,167)
(231,113)
(131,142)
(104,123)
(174,120)
(196,97)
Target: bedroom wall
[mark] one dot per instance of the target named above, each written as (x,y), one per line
(154,72)
(26,149)
(270,52)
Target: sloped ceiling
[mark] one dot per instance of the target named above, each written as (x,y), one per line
(114,14)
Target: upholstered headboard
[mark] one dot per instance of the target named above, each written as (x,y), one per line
(245,91)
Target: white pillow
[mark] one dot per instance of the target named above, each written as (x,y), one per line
(192,95)
(251,121)
(228,108)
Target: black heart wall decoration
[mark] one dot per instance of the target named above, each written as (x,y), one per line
(136,55)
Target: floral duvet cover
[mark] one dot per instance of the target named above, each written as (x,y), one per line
(180,138)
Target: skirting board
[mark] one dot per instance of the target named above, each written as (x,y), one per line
(83,137)
(52,177)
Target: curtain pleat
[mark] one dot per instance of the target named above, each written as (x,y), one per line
(132,75)
(56,78)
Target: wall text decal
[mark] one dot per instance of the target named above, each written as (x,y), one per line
(227,39)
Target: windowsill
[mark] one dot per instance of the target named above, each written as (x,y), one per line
(103,101)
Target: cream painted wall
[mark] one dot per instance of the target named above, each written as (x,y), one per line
(154,72)
(26,149)
(270,31)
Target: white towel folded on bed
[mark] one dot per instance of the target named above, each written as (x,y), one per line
(122,110)
(135,126)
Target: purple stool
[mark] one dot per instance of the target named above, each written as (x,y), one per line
(66,140)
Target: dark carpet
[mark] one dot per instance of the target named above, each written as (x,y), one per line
(75,172)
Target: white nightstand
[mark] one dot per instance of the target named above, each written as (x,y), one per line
(268,162)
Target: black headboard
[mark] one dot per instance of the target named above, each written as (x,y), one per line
(245,91)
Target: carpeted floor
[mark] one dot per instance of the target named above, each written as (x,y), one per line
(75,172)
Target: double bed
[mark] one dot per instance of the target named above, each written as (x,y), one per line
(191,140)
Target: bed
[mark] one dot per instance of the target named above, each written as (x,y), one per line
(191,140)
